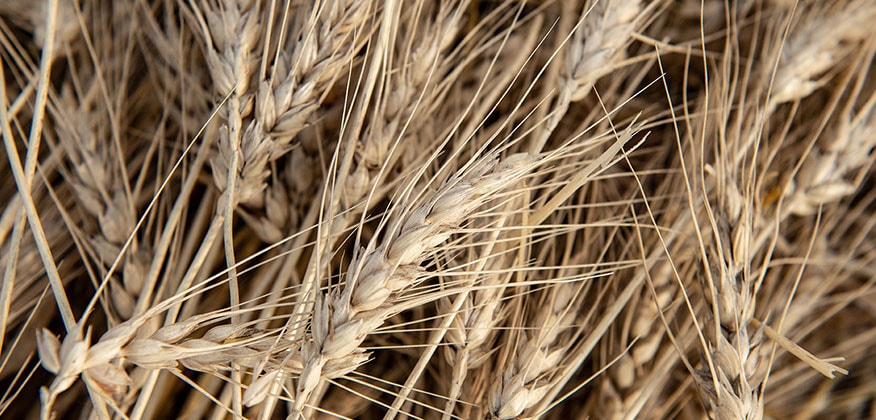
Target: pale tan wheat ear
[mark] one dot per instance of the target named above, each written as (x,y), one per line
(596,48)
(639,374)
(21,208)
(472,331)
(342,319)
(101,161)
(536,357)
(734,234)
(407,98)
(821,40)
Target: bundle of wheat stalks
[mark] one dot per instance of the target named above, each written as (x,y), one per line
(456,209)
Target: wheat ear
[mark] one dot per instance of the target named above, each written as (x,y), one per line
(595,49)
(343,318)
(818,47)
(835,170)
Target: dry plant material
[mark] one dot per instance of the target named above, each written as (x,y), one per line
(437,209)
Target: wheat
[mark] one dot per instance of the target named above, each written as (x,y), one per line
(406,103)
(834,172)
(597,47)
(101,185)
(735,249)
(282,104)
(231,38)
(527,378)
(342,320)
(810,53)
(472,332)
(418,209)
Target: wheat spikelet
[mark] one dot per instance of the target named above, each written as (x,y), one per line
(406,102)
(233,34)
(471,333)
(101,184)
(527,379)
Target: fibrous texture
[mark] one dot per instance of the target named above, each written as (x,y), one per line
(452,209)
